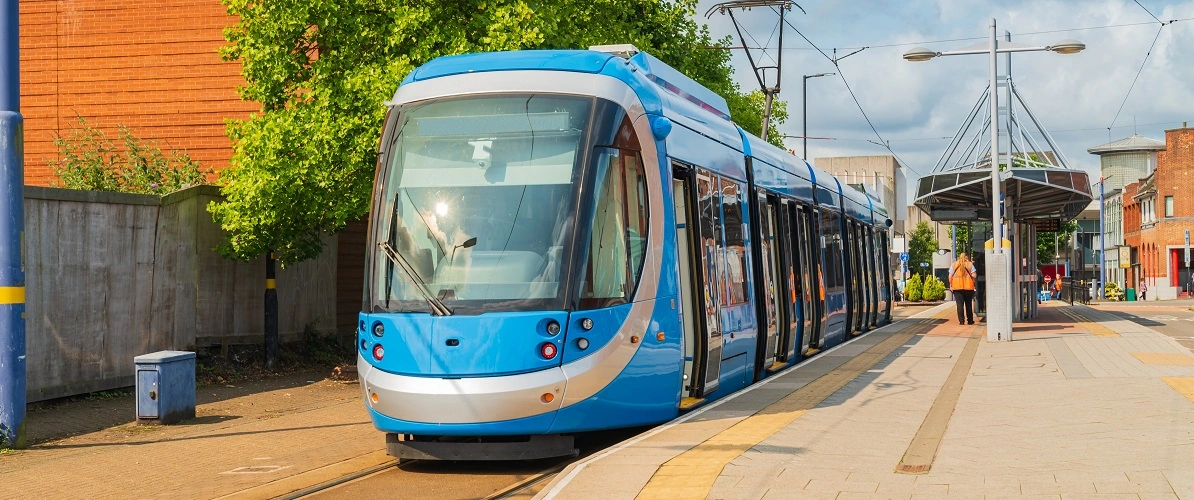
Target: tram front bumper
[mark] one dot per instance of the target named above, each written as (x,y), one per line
(435,400)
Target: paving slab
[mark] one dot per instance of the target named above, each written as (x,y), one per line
(1081,404)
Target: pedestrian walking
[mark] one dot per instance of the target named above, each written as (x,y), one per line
(1143,289)
(1057,287)
(961,282)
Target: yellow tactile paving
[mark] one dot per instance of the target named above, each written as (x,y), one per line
(922,451)
(1164,358)
(692,473)
(1090,326)
(1183,386)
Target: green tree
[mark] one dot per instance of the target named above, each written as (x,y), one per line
(1046,250)
(961,235)
(322,69)
(921,246)
(88,159)
(914,290)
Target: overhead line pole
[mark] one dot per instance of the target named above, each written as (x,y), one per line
(12,223)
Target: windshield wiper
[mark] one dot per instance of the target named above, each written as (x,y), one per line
(437,307)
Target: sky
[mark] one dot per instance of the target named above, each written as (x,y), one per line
(918,106)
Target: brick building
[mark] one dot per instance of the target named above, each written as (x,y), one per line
(150,65)
(1156,217)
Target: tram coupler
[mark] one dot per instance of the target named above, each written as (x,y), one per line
(407,446)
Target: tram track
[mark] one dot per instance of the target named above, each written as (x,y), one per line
(434,479)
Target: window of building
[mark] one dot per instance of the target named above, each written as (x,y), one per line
(1169,206)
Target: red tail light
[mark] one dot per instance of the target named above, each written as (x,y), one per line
(547,350)
(378,352)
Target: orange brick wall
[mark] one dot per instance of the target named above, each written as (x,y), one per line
(150,65)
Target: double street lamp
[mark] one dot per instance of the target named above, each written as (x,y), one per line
(994,47)
(804,103)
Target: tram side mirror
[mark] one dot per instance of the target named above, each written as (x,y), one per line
(469,243)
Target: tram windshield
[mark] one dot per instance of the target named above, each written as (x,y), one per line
(477,201)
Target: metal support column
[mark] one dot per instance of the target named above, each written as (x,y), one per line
(12,224)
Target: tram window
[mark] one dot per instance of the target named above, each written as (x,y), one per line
(618,232)
(735,234)
(831,244)
(713,260)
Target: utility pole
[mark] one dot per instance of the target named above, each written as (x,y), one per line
(12,227)
(769,91)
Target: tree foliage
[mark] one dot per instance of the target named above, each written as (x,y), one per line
(88,159)
(961,235)
(921,246)
(1046,250)
(322,69)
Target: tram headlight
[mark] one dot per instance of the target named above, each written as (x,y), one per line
(378,352)
(547,350)
(553,328)
(587,324)
(582,344)
(379,330)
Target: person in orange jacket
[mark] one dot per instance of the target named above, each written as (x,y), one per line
(961,282)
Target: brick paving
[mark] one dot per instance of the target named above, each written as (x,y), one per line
(205,459)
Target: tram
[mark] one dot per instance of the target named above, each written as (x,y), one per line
(568,241)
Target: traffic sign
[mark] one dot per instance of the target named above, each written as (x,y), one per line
(904,255)
(1187,248)
(1048,279)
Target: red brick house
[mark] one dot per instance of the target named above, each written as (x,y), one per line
(1158,211)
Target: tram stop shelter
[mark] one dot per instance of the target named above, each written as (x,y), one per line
(1035,199)
(1040,191)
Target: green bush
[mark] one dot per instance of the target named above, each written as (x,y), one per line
(1113,292)
(914,290)
(88,160)
(934,289)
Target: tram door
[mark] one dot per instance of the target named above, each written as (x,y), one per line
(694,204)
(806,237)
(788,283)
(771,287)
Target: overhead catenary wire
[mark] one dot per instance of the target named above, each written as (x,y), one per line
(834,60)
(1137,77)
(1151,46)
(966,39)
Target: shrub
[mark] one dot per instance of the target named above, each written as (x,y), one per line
(914,290)
(1113,292)
(87,159)
(934,289)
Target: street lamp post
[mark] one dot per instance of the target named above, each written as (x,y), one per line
(804,103)
(999,318)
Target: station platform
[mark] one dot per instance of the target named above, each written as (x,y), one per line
(1081,404)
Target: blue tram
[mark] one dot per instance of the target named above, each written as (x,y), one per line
(566,241)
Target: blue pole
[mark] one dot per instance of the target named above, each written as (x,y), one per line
(12,222)
(1102,245)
